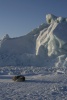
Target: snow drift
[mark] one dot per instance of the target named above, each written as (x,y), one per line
(44,45)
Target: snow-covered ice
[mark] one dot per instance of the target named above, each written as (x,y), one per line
(41,56)
(42,45)
(41,84)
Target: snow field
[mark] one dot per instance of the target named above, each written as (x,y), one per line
(38,85)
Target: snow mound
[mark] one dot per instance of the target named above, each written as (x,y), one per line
(41,47)
(53,38)
(6,37)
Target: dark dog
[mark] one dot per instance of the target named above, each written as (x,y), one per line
(19,78)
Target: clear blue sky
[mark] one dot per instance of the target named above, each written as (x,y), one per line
(18,17)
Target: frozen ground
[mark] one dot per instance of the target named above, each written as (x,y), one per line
(41,84)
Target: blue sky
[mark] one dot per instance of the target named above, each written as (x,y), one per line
(18,17)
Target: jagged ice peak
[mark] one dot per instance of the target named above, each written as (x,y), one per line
(50,18)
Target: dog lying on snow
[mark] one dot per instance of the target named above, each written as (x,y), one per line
(19,78)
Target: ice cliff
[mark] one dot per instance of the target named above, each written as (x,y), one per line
(43,46)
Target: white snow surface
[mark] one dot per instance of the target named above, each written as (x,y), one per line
(41,83)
